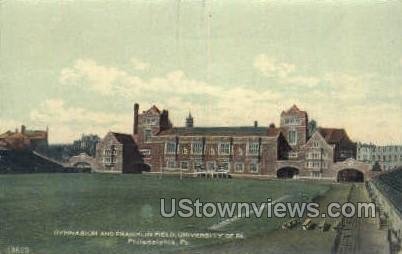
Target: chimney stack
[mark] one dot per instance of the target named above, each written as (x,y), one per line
(255,124)
(136,109)
(23,129)
(164,122)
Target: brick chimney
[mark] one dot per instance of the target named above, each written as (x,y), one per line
(135,127)
(23,128)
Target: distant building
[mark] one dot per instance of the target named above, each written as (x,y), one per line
(86,144)
(189,121)
(118,153)
(388,156)
(25,139)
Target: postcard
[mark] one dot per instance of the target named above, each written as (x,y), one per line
(200,126)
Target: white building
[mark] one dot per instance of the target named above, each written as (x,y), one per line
(388,157)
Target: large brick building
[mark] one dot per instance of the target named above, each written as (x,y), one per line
(287,151)
(24,139)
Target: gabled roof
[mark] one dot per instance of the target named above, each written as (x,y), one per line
(153,109)
(219,131)
(333,136)
(123,138)
(293,110)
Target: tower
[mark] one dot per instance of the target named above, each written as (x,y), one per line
(294,125)
(189,121)
(149,123)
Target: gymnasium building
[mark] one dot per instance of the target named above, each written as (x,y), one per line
(287,151)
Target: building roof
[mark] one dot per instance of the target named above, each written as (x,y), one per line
(220,131)
(152,109)
(293,110)
(32,134)
(35,134)
(333,136)
(6,134)
(123,138)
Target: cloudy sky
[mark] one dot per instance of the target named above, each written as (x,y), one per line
(79,66)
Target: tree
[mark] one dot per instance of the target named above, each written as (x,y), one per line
(312,127)
(376,166)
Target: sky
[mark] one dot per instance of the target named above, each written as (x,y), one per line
(79,66)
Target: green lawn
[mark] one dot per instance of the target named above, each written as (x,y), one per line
(33,206)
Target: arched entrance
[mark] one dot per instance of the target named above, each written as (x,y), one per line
(287,172)
(82,165)
(350,175)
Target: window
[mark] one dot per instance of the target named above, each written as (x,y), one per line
(184,165)
(292,137)
(147,135)
(170,148)
(198,165)
(170,164)
(109,160)
(110,155)
(211,165)
(224,166)
(184,150)
(292,155)
(253,148)
(316,144)
(239,167)
(212,151)
(253,167)
(315,155)
(151,120)
(145,152)
(196,148)
(110,151)
(316,174)
(224,148)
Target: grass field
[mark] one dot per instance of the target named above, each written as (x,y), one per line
(33,206)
